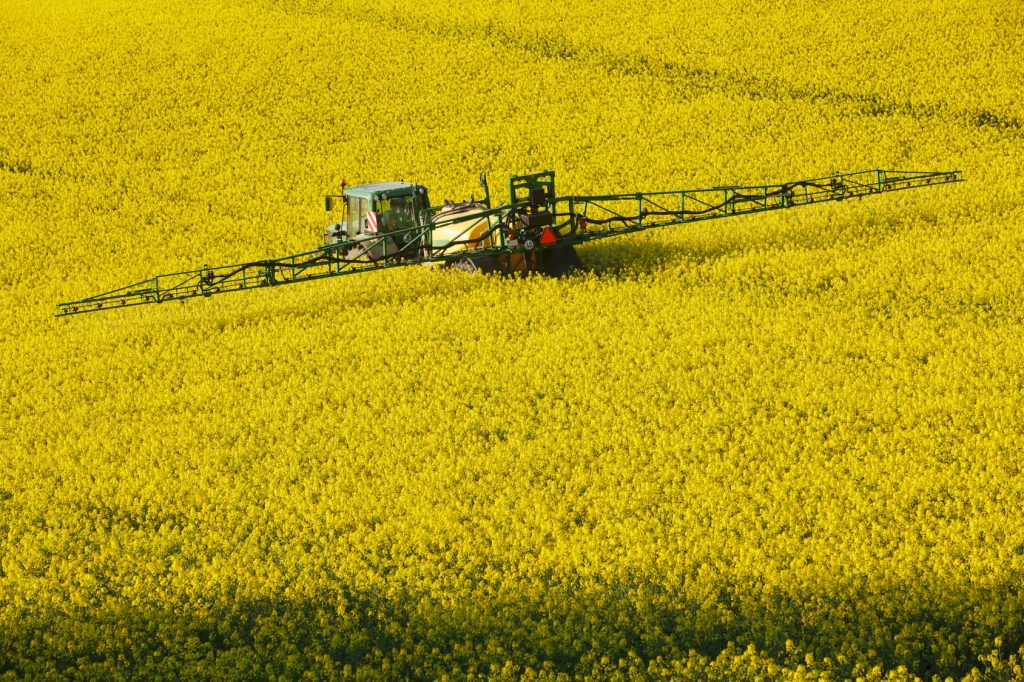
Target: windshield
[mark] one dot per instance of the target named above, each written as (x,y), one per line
(396,213)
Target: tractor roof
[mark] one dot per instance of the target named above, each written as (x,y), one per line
(382,189)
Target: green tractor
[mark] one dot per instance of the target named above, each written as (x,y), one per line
(394,220)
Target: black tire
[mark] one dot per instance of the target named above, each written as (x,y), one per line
(559,261)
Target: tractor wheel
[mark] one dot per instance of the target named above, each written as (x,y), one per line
(356,253)
(479,264)
(558,261)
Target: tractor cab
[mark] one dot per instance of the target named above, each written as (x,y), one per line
(375,208)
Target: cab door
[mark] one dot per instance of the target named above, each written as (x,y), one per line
(357,209)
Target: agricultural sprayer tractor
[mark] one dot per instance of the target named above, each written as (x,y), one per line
(391,224)
(381,222)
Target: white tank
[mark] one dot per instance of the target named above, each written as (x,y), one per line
(463,224)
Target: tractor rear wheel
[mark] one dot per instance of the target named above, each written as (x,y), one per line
(558,261)
(479,264)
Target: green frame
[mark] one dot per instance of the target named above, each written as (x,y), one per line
(574,220)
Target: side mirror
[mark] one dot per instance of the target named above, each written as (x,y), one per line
(328,203)
(487,191)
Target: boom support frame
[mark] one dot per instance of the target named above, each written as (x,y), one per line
(534,220)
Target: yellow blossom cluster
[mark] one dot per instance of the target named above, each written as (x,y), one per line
(783,446)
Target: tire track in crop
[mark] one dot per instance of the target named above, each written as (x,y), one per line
(688,80)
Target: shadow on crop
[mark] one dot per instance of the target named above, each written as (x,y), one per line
(718,241)
(569,628)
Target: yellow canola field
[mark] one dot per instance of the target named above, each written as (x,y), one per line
(773,447)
